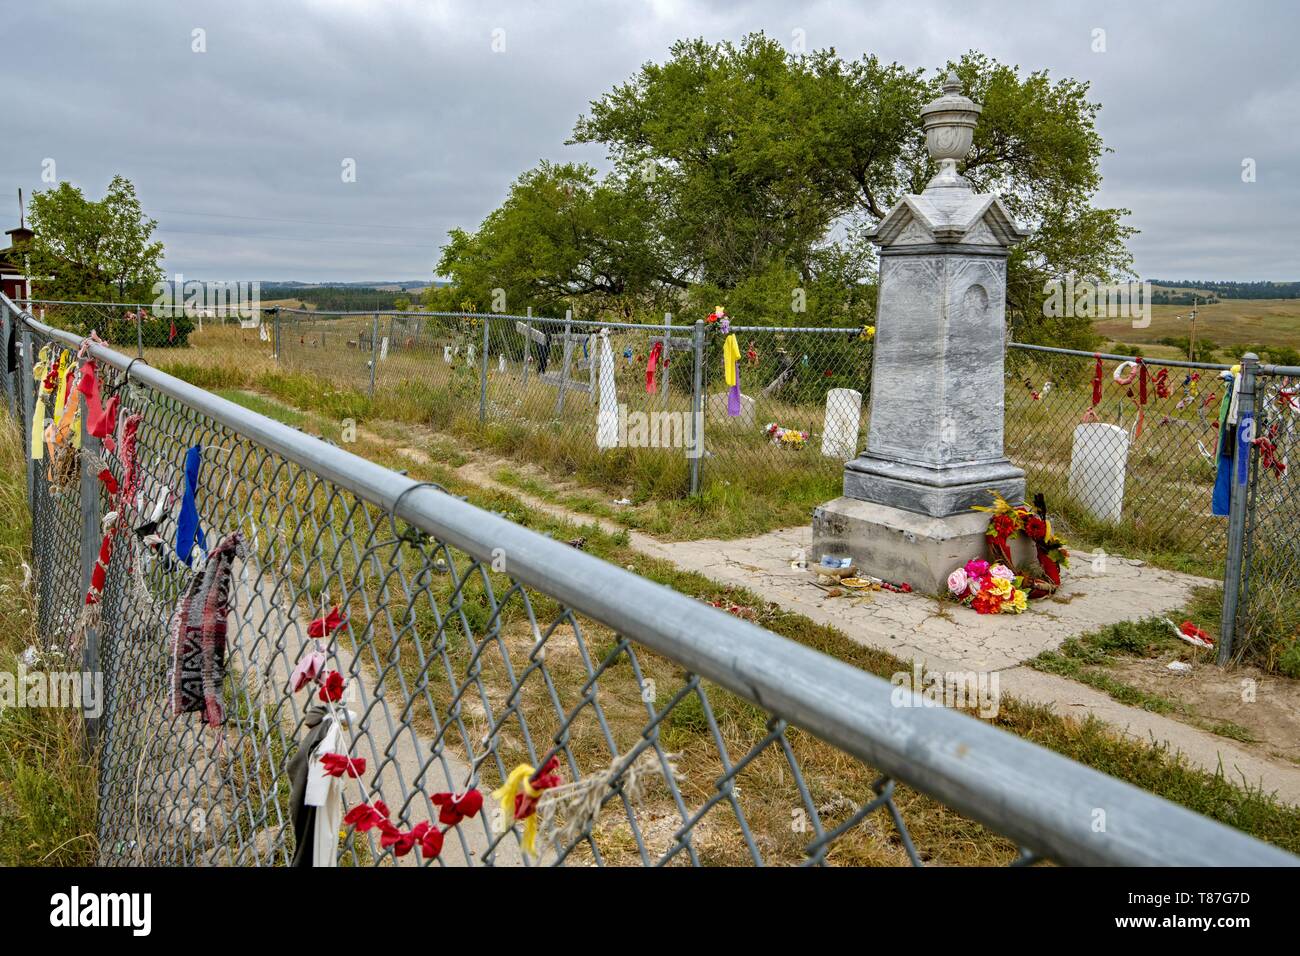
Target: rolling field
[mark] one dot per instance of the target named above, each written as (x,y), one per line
(1227,323)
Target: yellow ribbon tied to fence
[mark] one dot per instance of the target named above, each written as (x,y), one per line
(505,795)
(730,356)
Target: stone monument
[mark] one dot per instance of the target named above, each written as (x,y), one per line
(934,441)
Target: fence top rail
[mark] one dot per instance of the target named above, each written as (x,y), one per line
(125,305)
(1287,370)
(1043,801)
(819,329)
(498,316)
(1173,363)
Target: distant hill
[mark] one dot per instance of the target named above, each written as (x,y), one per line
(346,296)
(1231,290)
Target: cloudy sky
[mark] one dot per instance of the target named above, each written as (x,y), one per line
(238,151)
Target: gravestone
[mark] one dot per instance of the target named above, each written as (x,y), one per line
(843,418)
(934,444)
(1098,462)
(716,411)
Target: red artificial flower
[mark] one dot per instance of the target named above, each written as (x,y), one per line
(431,843)
(332,689)
(108,481)
(457,807)
(366,817)
(986,602)
(1035,527)
(1004,525)
(338,764)
(327,625)
(402,841)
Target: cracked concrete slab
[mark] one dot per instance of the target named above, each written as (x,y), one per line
(940,634)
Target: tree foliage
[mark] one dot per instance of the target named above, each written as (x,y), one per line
(93,250)
(747,175)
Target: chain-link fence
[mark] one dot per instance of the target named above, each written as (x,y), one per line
(1268,619)
(1125,450)
(650,727)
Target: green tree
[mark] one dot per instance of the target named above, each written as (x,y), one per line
(751,176)
(91,250)
(563,236)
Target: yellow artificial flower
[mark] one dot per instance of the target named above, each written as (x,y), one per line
(1019,600)
(1001,587)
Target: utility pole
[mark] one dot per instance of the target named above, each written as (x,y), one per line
(1191,337)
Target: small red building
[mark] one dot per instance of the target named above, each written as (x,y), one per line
(14,281)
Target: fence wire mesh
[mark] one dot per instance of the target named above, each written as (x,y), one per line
(455,674)
(804,399)
(456,671)
(1136,468)
(1268,621)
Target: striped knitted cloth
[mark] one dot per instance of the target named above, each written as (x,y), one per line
(198,636)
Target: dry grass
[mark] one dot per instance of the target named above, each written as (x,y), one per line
(48,798)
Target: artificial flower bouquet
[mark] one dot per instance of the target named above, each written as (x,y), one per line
(787,437)
(988,588)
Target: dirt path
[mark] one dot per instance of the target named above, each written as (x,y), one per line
(915,627)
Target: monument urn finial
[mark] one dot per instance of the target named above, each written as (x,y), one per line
(950,123)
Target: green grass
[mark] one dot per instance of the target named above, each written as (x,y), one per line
(1089,658)
(48,800)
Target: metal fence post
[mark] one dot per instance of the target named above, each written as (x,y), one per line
(697,408)
(1241,455)
(28,393)
(91,536)
(483,371)
(139,335)
(667,356)
(374,352)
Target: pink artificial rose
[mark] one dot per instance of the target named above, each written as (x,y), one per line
(309,668)
(1003,572)
(958,582)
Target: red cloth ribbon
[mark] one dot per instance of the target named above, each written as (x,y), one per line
(100,572)
(101,420)
(1268,456)
(1142,395)
(108,481)
(1091,414)
(652,368)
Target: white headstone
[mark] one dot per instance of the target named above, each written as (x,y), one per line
(843,418)
(501,363)
(383,347)
(469,356)
(446,354)
(1098,463)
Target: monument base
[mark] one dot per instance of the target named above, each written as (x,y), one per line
(902,546)
(934,490)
